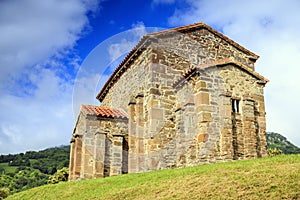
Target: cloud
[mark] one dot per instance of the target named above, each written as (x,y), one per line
(122,47)
(96,70)
(39,120)
(37,63)
(31,31)
(270,29)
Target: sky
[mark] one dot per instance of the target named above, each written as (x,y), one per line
(47,47)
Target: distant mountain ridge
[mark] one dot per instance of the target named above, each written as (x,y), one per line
(276,140)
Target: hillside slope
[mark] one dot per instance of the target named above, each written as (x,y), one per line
(267,178)
(276,140)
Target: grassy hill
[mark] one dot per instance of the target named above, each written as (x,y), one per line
(268,178)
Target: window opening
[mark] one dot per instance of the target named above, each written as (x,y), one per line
(235,105)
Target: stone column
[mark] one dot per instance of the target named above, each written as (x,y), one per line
(99,153)
(116,159)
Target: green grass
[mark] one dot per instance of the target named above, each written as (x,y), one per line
(268,178)
(7,168)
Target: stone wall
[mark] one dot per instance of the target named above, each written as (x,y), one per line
(101,148)
(216,114)
(133,82)
(185,50)
(174,127)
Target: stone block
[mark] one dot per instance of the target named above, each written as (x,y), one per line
(202,98)
(156,113)
(202,138)
(201,84)
(152,103)
(205,117)
(117,143)
(154,91)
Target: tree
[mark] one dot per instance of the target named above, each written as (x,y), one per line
(4,192)
(59,176)
(2,170)
(274,152)
(26,179)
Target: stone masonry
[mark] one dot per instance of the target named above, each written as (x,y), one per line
(182,97)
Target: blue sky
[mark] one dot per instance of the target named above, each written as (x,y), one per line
(45,47)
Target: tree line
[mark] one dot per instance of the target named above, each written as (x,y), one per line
(23,171)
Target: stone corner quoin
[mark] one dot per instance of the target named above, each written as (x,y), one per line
(182,97)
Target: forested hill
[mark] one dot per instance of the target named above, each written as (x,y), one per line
(47,161)
(23,171)
(276,140)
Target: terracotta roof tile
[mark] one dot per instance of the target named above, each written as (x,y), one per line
(103,111)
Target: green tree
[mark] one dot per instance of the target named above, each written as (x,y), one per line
(2,170)
(4,192)
(5,180)
(59,176)
(26,179)
(274,152)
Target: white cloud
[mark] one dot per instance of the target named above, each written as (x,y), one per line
(37,38)
(39,120)
(95,70)
(116,50)
(270,29)
(31,31)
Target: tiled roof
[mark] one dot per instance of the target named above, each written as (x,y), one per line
(103,111)
(219,63)
(143,43)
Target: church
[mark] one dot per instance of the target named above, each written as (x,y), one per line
(181,97)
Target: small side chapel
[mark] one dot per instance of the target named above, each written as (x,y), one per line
(182,97)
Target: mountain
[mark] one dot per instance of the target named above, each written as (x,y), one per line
(276,140)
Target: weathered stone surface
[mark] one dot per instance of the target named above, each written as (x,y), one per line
(216,113)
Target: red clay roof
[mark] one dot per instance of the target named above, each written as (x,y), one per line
(103,111)
(143,43)
(221,62)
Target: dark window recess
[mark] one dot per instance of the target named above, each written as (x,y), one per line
(235,105)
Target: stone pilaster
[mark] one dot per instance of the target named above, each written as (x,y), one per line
(116,159)
(72,157)
(132,137)
(141,161)
(226,140)
(250,129)
(237,136)
(99,153)
(77,157)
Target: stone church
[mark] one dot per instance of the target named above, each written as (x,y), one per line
(182,97)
